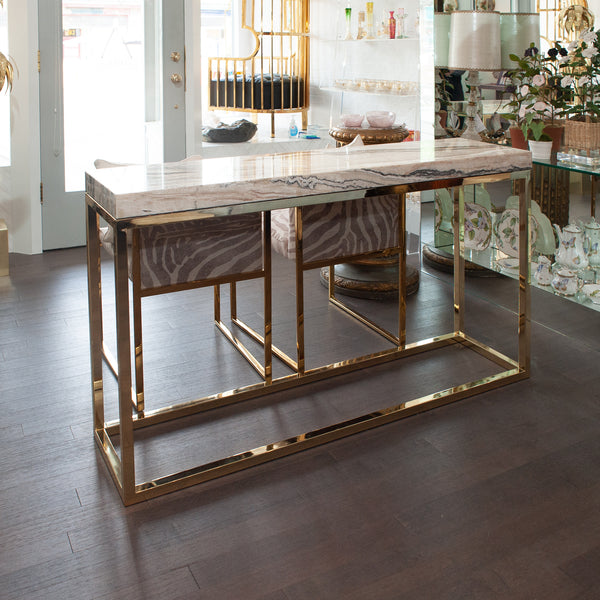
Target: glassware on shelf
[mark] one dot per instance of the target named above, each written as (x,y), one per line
(362,31)
(400,16)
(348,35)
(417,21)
(392,26)
(370,27)
(382,25)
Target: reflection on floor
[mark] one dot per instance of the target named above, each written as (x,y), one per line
(494,497)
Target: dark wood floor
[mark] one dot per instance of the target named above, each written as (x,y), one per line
(497,496)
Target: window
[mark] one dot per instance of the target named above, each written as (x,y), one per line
(551,25)
(217,36)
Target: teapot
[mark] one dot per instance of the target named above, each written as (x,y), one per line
(592,242)
(570,252)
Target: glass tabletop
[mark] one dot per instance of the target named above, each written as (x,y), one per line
(572,162)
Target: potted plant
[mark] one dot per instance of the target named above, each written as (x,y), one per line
(538,100)
(6,73)
(582,78)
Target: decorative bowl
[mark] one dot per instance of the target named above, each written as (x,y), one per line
(352,120)
(381,118)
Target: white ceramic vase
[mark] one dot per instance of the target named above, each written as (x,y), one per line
(540,150)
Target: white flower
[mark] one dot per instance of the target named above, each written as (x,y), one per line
(538,79)
(566,81)
(572,46)
(540,106)
(589,52)
(589,37)
(584,80)
(524,90)
(563,59)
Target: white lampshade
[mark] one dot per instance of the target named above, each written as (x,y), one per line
(517,31)
(441,27)
(474,41)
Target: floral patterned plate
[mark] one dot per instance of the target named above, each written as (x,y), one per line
(507,232)
(437,214)
(478,227)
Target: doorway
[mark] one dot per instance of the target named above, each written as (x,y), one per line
(112,86)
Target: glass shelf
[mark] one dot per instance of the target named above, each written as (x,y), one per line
(346,90)
(378,40)
(493,259)
(569,165)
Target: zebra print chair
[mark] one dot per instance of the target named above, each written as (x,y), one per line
(332,234)
(209,252)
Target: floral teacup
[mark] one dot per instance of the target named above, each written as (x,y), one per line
(566,282)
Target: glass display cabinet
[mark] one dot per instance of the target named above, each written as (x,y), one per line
(564,258)
(381,61)
(375,73)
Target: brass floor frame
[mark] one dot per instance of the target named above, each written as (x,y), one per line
(121,463)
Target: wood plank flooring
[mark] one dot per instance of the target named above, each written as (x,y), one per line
(495,497)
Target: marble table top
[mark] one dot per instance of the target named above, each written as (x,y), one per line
(250,183)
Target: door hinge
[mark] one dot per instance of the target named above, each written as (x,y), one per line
(41,193)
(39,62)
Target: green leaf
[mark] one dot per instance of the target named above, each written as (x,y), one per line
(537,129)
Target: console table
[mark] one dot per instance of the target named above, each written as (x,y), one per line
(130,198)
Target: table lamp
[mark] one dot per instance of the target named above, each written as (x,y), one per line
(517,31)
(441,28)
(474,46)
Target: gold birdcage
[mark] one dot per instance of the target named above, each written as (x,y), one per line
(563,20)
(274,77)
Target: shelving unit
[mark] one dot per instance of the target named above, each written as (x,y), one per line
(494,259)
(379,73)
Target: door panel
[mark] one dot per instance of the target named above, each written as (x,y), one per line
(173,60)
(102,95)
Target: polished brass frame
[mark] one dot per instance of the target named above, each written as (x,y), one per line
(121,464)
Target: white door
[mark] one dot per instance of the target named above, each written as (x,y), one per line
(112,86)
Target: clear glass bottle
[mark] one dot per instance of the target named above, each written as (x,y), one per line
(362,32)
(400,16)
